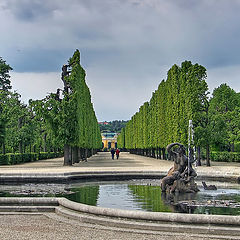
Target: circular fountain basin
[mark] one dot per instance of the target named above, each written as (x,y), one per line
(144,195)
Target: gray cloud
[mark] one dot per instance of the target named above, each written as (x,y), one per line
(127,45)
(29,10)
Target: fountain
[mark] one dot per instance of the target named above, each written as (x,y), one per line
(180,178)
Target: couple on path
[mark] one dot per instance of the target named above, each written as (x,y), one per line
(113,152)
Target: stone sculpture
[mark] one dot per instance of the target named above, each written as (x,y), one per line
(180,178)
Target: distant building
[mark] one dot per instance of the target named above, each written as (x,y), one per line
(103,123)
(109,139)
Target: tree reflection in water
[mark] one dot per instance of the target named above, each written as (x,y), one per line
(149,197)
(87,195)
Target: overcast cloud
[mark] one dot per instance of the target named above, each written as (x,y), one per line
(126,46)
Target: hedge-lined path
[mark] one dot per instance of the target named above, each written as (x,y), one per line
(102,162)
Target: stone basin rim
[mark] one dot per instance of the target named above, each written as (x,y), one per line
(220,220)
(6,178)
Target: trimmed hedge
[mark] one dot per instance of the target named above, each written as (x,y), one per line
(225,156)
(11,159)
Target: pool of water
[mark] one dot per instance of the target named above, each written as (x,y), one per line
(144,195)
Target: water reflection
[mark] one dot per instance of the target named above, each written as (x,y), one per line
(150,198)
(87,195)
(142,195)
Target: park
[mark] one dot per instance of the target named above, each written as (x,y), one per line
(177,174)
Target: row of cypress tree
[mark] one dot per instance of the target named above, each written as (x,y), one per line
(72,119)
(164,119)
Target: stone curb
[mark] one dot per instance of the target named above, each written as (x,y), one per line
(151,216)
(100,175)
(118,213)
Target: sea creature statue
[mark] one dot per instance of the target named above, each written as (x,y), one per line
(180,178)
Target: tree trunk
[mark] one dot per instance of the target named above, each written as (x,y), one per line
(153,153)
(45,142)
(207,155)
(89,153)
(75,154)
(199,156)
(92,151)
(232,147)
(67,159)
(83,154)
(79,155)
(164,153)
(3,148)
(86,154)
(20,147)
(160,153)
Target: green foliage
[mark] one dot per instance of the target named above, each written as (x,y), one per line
(72,120)
(48,115)
(121,139)
(87,195)
(18,158)
(47,124)
(151,198)
(224,111)
(83,130)
(224,99)
(113,126)
(164,119)
(225,156)
(5,83)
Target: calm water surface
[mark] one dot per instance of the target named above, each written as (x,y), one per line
(144,195)
(147,196)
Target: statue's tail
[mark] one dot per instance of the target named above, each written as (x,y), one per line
(170,146)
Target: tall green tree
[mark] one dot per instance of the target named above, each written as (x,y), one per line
(5,83)
(183,96)
(224,113)
(72,120)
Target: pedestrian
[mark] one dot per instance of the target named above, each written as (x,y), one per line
(117,153)
(112,152)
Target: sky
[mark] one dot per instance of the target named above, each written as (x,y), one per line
(127,46)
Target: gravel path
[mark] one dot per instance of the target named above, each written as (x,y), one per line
(51,227)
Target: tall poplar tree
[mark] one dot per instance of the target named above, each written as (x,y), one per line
(183,96)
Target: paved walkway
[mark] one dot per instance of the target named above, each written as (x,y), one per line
(53,227)
(102,162)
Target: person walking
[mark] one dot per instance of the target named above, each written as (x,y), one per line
(112,152)
(117,153)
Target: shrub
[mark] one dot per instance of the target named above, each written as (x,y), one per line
(225,156)
(17,158)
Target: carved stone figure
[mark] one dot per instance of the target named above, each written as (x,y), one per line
(180,178)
